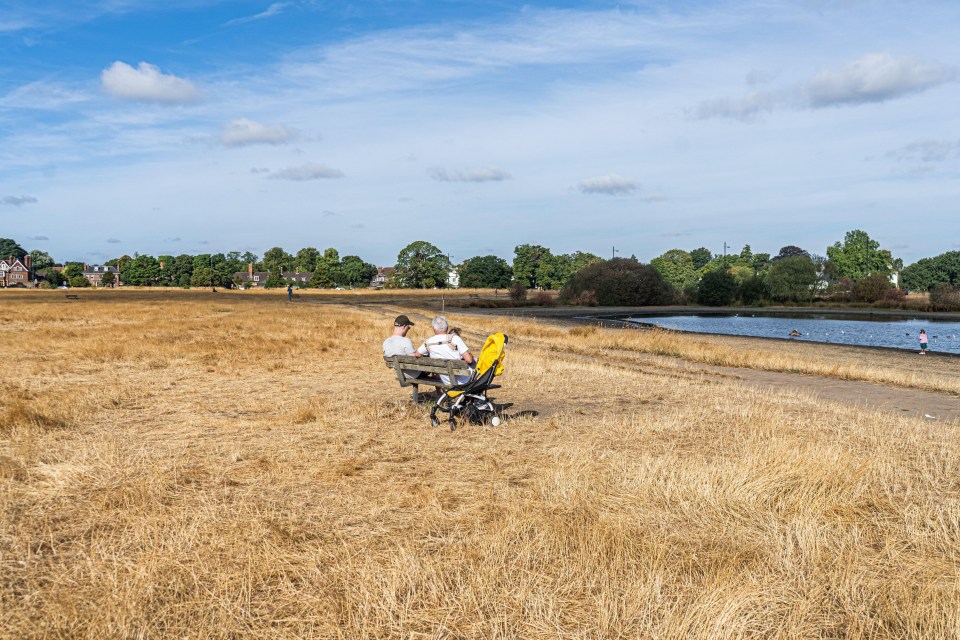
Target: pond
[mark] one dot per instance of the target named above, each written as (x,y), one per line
(886,331)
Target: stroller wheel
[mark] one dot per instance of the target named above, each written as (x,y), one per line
(434,422)
(453,424)
(495,421)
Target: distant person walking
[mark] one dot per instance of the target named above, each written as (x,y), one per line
(923,341)
(289,293)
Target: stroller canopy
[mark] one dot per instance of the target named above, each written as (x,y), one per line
(492,353)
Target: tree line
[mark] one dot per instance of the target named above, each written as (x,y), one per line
(856,267)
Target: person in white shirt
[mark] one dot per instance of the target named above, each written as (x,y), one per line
(447,346)
(399,344)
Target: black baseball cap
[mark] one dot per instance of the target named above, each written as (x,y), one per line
(402,321)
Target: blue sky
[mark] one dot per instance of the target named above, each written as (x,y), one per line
(169,127)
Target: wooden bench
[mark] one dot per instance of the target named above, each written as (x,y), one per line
(433,366)
(71,296)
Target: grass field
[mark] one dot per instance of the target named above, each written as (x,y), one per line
(190,465)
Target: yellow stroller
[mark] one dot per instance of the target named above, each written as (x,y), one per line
(469,400)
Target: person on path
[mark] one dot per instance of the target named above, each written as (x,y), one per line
(289,293)
(923,341)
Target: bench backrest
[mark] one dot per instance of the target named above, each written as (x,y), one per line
(429,365)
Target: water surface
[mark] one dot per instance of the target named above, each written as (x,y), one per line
(894,332)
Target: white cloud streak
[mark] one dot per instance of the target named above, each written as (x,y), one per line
(18,201)
(274,9)
(490,174)
(146,83)
(308,171)
(243,132)
(926,151)
(874,77)
(611,185)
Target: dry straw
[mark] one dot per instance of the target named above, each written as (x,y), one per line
(200,466)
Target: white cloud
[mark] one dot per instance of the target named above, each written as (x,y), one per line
(926,151)
(745,108)
(490,174)
(611,185)
(875,77)
(274,9)
(42,95)
(308,171)
(242,132)
(18,201)
(146,83)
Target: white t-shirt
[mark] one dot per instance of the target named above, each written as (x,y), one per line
(397,346)
(448,346)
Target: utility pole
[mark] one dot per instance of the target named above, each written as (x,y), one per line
(724,255)
(614,254)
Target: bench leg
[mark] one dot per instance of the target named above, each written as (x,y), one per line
(416,393)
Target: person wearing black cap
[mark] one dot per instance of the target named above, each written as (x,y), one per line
(399,344)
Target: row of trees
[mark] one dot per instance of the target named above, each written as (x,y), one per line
(328,269)
(423,265)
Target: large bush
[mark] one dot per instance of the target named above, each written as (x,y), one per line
(717,288)
(753,290)
(871,288)
(792,277)
(945,297)
(619,282)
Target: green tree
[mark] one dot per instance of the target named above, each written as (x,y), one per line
(760,263)
(356,272)
(72,270)
(108,279)
(306,259)
(121,264)
(791,250)
(420,265)
(753,290)
(926,273)
(526,263)
(620,282)
(202,276)
(792,277)
(143,271)
(276,259)
(717,288)
(857,257)
(581,260)
(54,277)
(182,270)
(275,280)
(676,266)
(10,247)
(700,257)
(327,272)
(485,272)
(41,260)
(167,270)
(553,271)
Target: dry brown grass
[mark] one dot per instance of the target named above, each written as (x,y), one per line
(233,466)
(844,363)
